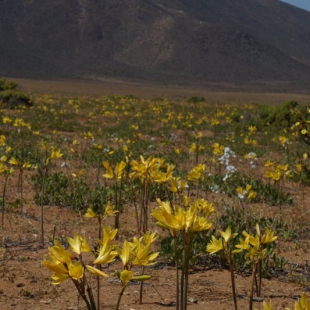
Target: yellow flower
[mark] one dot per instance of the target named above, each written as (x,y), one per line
(88,136)
(126,276)
(252,129)
(59,278)
(177,185)
(56,267)
(117,174)
(215,245)
(188,221)
(269,163)
(76,270)
(106,255)
(205,206)
(79,244)
(193,148)
(240,192)
(198,224)
(109,210)
(198,135)
(227,235)
(2,168)
(193,175)
(108,235)
(282,167)
(177,150)
(266,306)
(55,154)
(144,257)
(13,161)
(149,238)
(218,149)
(110,173)
(96,271)
(268,237)
(2,140)
(246,193)
(26,165)
(243,245)
(165,217)
(61,264)
(120,169)
(90,213)
(125,253)
(303,303)
(284,141)
(6,120)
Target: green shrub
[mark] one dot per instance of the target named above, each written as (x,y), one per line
(60,190)
(196,99)
(11,96)
(8,85)
(282,115)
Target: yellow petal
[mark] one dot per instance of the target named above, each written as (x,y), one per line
(215,245)
(90,213)
(58,278)
(96,271)
(57,268)
(75,244)
(76,271)
(126,276)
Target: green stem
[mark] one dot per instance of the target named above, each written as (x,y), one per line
(260,276)
(186,269)
(3,199)
(182,286)
(99,217)
(82,294)
(177,304)
(120,297)
(232,275)
(91,298)
(116,218)
(42,210)
(197,190)
(118,200)
(142,206)
(98,171)
(145,207)
(252,286)
(141,288)
(21,190)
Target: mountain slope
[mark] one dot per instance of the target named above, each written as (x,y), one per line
(177,41)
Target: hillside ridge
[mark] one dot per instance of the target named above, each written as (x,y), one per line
(180,41)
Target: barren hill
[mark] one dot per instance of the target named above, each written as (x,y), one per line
(177,41)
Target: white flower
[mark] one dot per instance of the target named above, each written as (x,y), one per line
(214,188)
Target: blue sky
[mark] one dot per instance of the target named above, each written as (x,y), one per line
(304,4)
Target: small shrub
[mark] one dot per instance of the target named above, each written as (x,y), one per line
(282,115)
(195,99)
(11,96)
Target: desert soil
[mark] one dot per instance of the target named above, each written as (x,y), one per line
(26,284)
